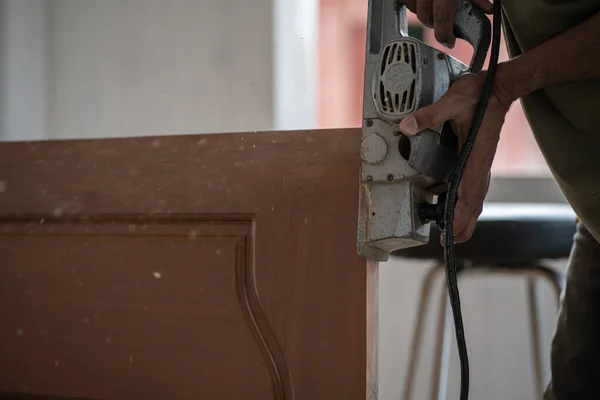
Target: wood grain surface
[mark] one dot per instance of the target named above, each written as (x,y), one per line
(185,267)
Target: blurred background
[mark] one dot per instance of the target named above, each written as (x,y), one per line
(117,68)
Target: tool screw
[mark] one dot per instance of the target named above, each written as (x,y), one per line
(369,122)
(425,61)
(369,178)
(440,56)
(390,177)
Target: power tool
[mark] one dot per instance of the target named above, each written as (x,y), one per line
(398,173)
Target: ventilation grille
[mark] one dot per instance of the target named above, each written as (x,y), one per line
(396,79)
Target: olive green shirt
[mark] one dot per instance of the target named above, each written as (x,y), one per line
(565,118)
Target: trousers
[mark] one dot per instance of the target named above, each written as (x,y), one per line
(575,349)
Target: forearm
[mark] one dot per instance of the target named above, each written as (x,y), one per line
(571,56)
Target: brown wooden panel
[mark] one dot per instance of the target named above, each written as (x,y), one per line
(200,266)
(133,327)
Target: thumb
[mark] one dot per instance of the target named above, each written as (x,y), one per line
(428,117)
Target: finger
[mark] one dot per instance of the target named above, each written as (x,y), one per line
(425,12)
(465,219)
(465,211)
(485,5)
(429,117)
(471,195)
(443,21)
(442,239)
(467,232)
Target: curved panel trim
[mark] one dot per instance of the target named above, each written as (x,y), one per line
(257,321)
(123,225)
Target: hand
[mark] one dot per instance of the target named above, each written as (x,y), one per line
(458,106)
(439,15)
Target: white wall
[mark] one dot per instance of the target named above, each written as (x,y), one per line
(23,69)
(136,67)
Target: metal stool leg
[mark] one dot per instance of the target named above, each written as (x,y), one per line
(418,332)
(443,349)
(438,351)
(536,344)
(555,279)
(556,282)
(532,272)
(446,353)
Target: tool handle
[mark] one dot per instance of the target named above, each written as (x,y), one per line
(470,24)
(473,26)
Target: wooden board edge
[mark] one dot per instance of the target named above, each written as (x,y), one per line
(372,330)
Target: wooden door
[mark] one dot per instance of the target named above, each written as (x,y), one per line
(185,267)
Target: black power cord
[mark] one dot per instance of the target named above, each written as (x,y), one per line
(450,203)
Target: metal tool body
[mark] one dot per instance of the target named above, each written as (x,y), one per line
(403,74)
